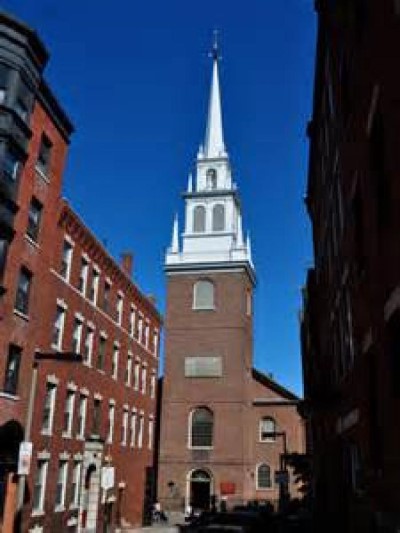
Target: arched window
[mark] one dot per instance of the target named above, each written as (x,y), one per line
(199,219)
(264,476)
(203,295)
(201,428)
(211,178)
(267,429)
(218,218)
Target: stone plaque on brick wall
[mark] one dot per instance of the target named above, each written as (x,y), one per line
(203,367)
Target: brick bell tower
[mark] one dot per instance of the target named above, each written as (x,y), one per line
(204,449)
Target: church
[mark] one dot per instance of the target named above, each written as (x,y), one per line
(225,426)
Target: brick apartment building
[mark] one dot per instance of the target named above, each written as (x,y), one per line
(79,341)
(224,425)
(351,318)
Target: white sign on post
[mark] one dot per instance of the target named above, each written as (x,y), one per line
(107,477)
(24,458)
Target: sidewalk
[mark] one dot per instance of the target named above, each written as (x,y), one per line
(161,527)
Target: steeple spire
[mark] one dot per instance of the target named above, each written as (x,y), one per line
(214,141)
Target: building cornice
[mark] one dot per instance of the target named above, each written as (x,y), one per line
(202,268)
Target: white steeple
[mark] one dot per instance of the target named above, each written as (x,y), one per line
(214,141)
(213,232)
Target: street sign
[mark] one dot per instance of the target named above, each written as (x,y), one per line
(24,458)
(282,477)
(107,477)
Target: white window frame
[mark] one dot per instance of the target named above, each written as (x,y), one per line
(140,329)
(82,410)
(128,376)
(69,408)
(153,380)
(271,486)
(95,284)
(89,340)
(132,321)
(155,343)
(146,335)
(44,465)
(144,379)
(77,333)
(63,470)
(208,306)
(76,483)
(51,388)
(124,436)
(120,308)
(84,274)
(136,375)
(68,259)
(266,419)
(190,420)
(150,433)
(59,324)
(115,361)
(133,427)
(111,422)
(141,430)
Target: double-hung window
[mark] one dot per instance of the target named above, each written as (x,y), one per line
(115,358)
(39,486)
(83,275)
(61,485)
(133,428)
(77,335)
(151,433)
(44,155)
(66,259)
(58,328)
(12,369)
(82,415)
(144,379)
(124,427)
(88,346)
(120,306)
(111,418)
(49,407)
(94,287)
(101,354)
(34,218)
(76,483)
(140,432)
(69,413)
(11,166)
(136,375)
(96,421)
(23,291)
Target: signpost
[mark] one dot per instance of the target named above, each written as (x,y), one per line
(24,458)
(107,477)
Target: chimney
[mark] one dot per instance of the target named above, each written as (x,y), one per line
(127,263)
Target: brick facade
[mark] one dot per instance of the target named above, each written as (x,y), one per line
(350,321)
(239,397)
(54,318)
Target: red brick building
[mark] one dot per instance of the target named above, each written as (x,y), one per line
(224,425)
(65,297)
(350,328)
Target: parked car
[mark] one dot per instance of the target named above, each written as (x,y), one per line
(229,522)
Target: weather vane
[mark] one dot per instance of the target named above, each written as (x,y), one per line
(215,51)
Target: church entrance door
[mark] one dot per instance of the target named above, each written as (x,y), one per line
(200,490)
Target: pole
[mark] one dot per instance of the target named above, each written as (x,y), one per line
(27,435)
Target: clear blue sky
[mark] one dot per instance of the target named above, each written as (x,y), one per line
(134,77)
